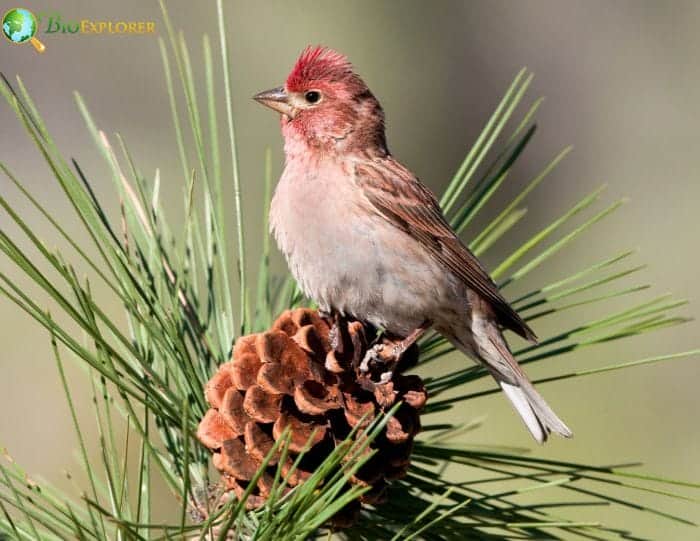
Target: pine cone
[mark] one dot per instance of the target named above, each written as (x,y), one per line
(303,374)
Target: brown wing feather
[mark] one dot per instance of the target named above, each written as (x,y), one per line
(410,206)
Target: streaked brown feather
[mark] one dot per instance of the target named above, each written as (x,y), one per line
(400,197)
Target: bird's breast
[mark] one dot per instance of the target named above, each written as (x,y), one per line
(346,256)
(316,219)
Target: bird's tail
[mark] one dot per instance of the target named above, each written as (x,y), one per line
(492,350)
(539,418)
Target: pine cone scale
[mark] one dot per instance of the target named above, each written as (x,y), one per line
(262,406)
(233,412)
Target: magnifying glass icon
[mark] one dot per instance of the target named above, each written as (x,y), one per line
(19,26)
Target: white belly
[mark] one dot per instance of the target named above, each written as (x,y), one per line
(355,261)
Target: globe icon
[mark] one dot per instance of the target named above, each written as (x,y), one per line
(19,26)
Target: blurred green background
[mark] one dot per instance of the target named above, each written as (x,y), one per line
(622,84)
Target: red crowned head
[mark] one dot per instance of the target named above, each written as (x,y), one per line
(324,103)
(320,65)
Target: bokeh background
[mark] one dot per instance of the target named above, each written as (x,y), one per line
(622,84)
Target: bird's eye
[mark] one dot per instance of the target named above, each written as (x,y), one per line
(312,96)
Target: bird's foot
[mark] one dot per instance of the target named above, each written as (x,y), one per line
(388,352)
(335,338)
(381,359)
(376,368)
(335,335)
(375,355)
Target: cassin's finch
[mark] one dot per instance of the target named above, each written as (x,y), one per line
(363,237)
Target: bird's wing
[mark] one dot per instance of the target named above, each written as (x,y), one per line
(399,197)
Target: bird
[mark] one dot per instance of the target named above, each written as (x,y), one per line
(364,238)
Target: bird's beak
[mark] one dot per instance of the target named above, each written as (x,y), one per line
(277,99)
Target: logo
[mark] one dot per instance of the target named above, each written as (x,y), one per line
(19,26)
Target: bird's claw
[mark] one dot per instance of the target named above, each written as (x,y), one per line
(372,356)
(372,359)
